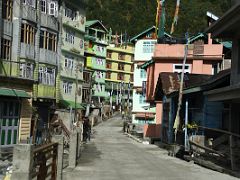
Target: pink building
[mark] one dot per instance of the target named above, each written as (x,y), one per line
(201,59)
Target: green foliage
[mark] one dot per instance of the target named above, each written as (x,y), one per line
(134,16)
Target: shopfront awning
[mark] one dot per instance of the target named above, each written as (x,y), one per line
(14,93)
(72,104)
(146,115)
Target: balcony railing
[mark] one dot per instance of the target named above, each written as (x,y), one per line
(47,56)
(7,27)
(27,51)
(29,13)
(49,21)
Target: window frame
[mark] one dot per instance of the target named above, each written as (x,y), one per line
(179,70)
(6,49)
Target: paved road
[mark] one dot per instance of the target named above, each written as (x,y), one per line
(113,156)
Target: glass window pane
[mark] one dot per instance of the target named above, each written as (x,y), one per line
(9,122)
(9,137)
(5,106)
(15,137)
(3,137)
(11,108)
(4,122)
(16,122)
(16,109)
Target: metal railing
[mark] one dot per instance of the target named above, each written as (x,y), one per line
(45,162)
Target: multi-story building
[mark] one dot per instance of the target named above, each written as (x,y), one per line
(29,59)
(119,75)
(41,64)
(142,113)
(95,52)
(72,54)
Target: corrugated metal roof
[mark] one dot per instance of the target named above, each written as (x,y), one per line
(92,22)
(169,82)
(146,64)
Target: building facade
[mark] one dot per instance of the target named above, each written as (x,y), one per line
(142,112)
(119,74)
(29,57)
(95,52)
(72,55)
(201,59)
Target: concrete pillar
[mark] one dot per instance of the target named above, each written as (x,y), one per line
(59,140)
(22,162)
(79,135)
(73,150)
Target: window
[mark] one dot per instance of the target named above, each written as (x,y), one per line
(43,6)
(109,54)
(178,68)
(143,73)
(100,61)
(148,46)
(132,68)
(70,14)
(141,99)
(28,34)
(121,56)
(99,75)
(7,7)
(86,77)
(26,70)
(120,76)
(30,3)
(108,75)
(68,62)
(70,35)
(131,78)
(46,76)
(48,40)
(85,95)
(5,49)
(99,88)
(121,66)
(132,58)
(53,8)
(67,87)
(109,65)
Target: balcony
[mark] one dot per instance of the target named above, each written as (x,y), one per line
(47,56)
(29,13)
(7,27)
(49,21)
(27,51)
(46,91)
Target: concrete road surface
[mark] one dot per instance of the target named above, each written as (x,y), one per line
(111,155)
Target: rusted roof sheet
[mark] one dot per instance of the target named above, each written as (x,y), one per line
(145,115)
(170,82)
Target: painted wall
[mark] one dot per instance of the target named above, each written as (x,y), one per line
(165,56)
(141,55)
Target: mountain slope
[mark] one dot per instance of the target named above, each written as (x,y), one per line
(133,16)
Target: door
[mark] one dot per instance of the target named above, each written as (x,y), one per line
(9,121)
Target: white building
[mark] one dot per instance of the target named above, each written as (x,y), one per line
(144,49)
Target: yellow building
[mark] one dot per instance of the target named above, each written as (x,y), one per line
(119,72)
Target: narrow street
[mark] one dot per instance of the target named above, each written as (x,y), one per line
(111,155)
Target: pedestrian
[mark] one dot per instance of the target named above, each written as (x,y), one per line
(85,127)
(88,130)
(123,113)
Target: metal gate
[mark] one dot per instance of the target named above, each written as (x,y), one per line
(9,121)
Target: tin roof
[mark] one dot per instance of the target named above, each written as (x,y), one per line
(169,82)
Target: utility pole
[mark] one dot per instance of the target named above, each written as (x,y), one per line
(177,119)
(76,92)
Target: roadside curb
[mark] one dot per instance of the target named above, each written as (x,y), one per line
(134,138)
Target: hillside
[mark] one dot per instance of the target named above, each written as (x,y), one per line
(133,16)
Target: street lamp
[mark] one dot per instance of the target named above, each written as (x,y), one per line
(145,108)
